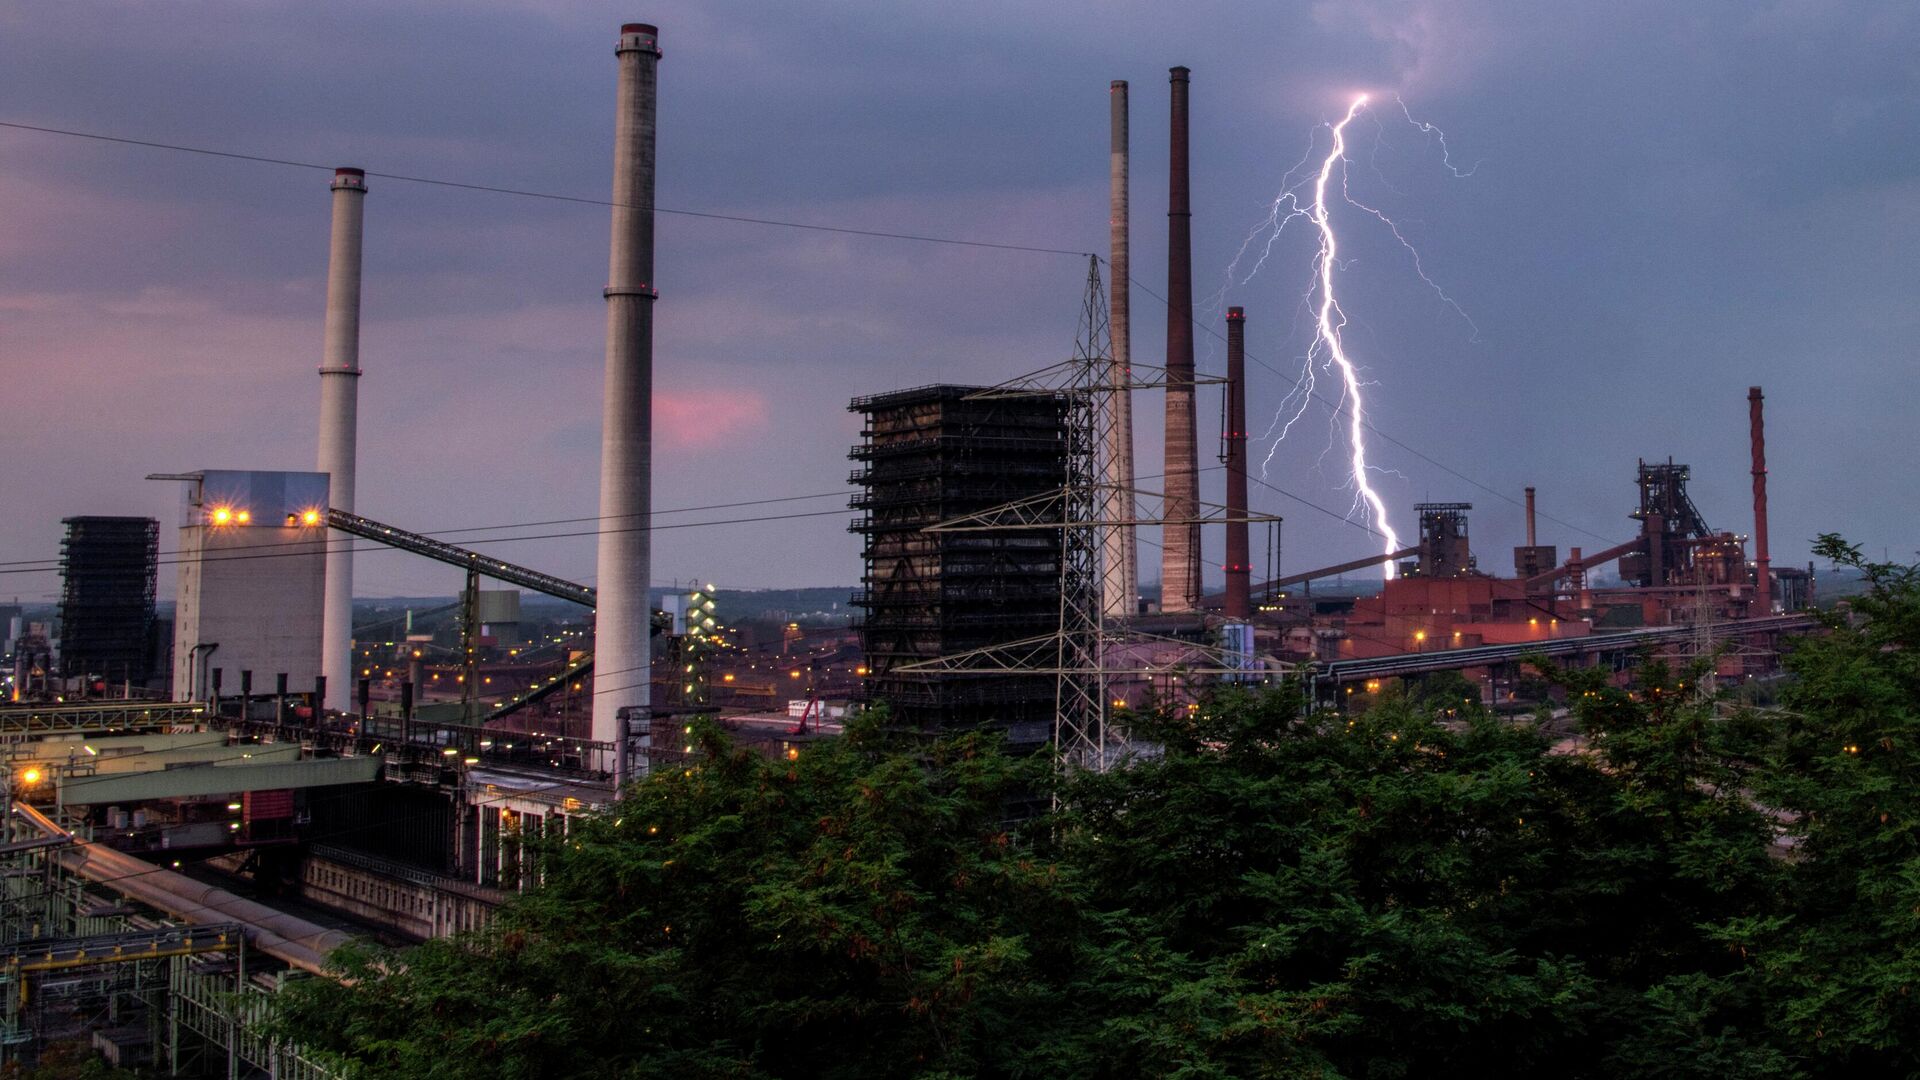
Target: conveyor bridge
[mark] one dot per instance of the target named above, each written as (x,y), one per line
(1340,672)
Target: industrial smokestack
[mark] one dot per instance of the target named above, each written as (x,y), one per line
(339,422)
(1762,561)
(1180,543)
(1239,604)
(1531,542)
(1120,556)
(1233,439)
(622,619)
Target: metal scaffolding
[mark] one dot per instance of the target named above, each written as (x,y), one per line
(929,453)
(1083,511)
(22,723)
(108,566)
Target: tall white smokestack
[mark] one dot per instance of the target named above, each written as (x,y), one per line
(1122,570)
(623,618)
(339,425)
(1180,543)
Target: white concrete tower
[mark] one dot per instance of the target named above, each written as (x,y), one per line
(339,425)
(1120,559)
(622,616)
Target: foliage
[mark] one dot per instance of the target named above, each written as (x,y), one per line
(1391,895)
(865,908)
(67,1060)
(1843,963)
(1422,890)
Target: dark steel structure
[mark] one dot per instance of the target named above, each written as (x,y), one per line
(106,606)
(930,455)
(1444,547)
(1670,528)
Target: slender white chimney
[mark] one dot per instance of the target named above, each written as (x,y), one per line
(1180,549)
(622,617)
(339,423)
(1120,557)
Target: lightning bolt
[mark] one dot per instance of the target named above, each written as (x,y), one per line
(1329,320)
(1303,196)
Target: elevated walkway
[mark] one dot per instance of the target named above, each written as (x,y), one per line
(241,769)
(19,723)
(1340,672)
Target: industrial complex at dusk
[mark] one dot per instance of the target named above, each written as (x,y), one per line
(227,762)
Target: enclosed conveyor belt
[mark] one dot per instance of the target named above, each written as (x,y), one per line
(1214,600)
(20,722)
(484,565)
(1587,562)
(440,551)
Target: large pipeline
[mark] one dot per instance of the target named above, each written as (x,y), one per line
(622,616)
(339,422)
(1180,540)
(290,939)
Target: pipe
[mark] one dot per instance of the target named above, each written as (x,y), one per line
(1762,560)
(1121,552)
(1180,541)
(288,938)
(1531,542)
(1239,566)
(339,419)
(622,616)
(1577,570)
(1576,564)
(1330,571)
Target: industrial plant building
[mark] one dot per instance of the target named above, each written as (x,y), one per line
(252,575)
(929,455)
(386,781)
(108,566)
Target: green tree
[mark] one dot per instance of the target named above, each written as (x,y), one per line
(66,1060)
(1389,895)
(1843,968)
(1422,890)
(866,910)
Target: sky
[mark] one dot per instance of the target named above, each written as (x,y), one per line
(1642,208)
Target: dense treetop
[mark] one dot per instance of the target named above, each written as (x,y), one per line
(1420,890)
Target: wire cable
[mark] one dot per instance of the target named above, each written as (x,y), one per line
(1339,409)
(549,196)
(1336,408)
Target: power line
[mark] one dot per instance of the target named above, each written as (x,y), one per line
(53,565)
(445,533)
(1338,409)
(548,196)
(327,546)
(1335,408)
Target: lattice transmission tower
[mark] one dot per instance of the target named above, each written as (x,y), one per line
(1086,508)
